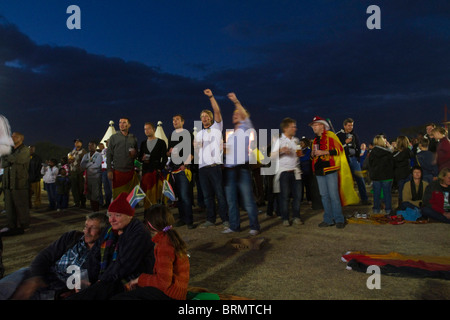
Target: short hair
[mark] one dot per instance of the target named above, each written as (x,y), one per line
(417,167)
(348,120)
(93,142)
(424,142)
(306,141)
(149,124)
(19,134)
(128,119)
(286,122)
(431,124)
(443,173)
(179,115)
(100,217)
(208,112)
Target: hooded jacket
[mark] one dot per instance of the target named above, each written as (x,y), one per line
(381,164)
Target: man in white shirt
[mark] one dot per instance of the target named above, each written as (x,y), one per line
(50,172)
(287,180)
(209,144)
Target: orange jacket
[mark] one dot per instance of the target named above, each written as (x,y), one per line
(170,272)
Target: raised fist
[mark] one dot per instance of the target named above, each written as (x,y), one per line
(208,92)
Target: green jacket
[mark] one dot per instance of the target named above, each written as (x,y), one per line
(15,176)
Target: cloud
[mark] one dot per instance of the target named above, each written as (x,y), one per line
(57,93)
(386,79)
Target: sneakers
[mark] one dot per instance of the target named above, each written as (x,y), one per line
(286,223)
(323,224)
(298,221)
(339,225)
(253,232)
(207,224)
(6,232)
(228,230)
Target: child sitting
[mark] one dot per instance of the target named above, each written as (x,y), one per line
(170,276)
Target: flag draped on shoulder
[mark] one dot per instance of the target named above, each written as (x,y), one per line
(136,195)
(339,162)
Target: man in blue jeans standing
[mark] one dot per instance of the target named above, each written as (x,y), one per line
(351,144)
(287,180)
(208,143)
(237,170)
(181,154)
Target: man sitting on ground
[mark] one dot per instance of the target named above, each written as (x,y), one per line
(47,275)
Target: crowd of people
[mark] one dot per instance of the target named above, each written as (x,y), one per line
(150,257)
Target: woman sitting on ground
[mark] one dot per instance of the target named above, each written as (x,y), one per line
(413,191)
(170,276)
(436,198)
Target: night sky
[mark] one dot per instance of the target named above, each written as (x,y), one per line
(149,60)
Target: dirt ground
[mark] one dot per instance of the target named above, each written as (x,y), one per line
(292,263)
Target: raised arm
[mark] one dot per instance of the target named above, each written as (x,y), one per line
(237,104)
(214,105)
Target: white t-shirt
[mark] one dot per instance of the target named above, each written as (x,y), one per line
(289,161)
(211,150)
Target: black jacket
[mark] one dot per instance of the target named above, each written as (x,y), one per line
(381,164)
(402,164)
(158,156)
(352,145)
(46,259)
(134,255)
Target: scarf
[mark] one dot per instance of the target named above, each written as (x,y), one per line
(108,249)
(416,195)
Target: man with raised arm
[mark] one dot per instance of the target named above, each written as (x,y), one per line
(209,144)
(237,170)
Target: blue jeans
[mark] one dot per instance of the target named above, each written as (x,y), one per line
(51,193)
(183,192)
(429,212)
(331,201)
(240,178)
(386,186)
(290,187)
(62,201)
(356,166)
(211,183)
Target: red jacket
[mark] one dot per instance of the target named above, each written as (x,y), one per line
(443,154)
(170,273)
(434,197)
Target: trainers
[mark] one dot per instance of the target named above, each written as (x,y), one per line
(228,230)
(253,232)
(323,224)
(298,221)
(226,224)
(286,223)
(207,224)
(340,225)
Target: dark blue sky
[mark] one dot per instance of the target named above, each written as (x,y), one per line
(149,60)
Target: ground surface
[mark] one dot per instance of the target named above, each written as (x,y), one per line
(293,263)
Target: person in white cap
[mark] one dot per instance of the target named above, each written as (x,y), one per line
(333,174)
